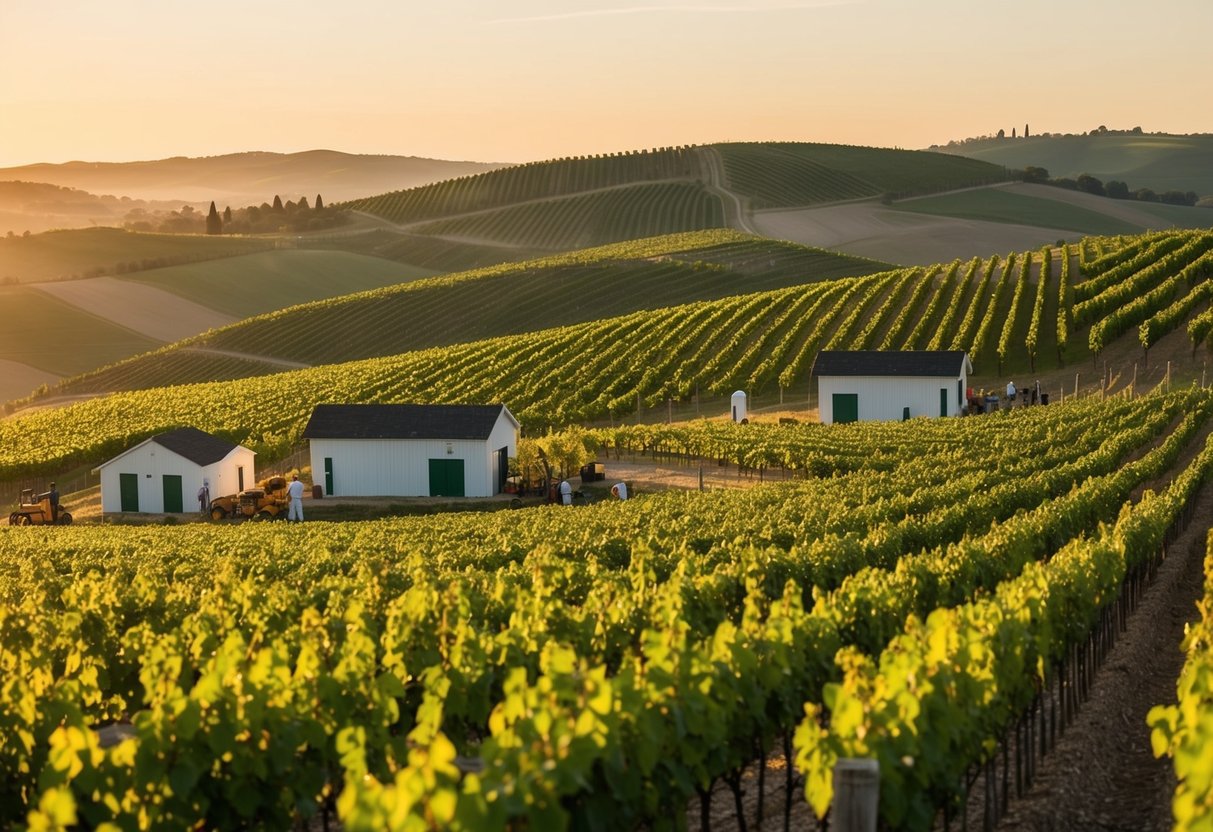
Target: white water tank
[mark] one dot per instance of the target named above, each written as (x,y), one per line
(739,409)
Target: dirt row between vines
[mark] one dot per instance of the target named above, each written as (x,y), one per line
(1102,773)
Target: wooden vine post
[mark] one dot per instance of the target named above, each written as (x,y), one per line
(856,795)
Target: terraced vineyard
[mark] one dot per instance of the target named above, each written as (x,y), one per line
(996,308)
(782,175)
(567,289)
(605,665)
(568,203)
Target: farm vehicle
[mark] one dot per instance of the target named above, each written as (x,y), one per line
(35,510)
(265,502)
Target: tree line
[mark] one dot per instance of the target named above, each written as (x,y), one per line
(1114,189)
(266,218)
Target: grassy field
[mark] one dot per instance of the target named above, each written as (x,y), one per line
(257,283)
(90,252)
(998,205)
(1162,163)
(59,338)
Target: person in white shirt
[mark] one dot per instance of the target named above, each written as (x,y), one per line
(620,490)
(1010,393)
(294,491)
(566,493)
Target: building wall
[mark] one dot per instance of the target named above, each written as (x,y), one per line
(883,399)
(397,467)
(400,467)
(151,462)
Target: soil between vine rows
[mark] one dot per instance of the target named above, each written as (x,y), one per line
(1102,774)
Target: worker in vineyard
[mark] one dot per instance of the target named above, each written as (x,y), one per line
(294,493)
(204,497)
(566,493)
(620,490)
(1010,394)
(53,496)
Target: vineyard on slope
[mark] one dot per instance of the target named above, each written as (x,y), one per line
(594,370)
(557,666)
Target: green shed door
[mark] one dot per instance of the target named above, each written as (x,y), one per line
(846,407)
(172,494)
(328,476)
(446,478)
(128,490)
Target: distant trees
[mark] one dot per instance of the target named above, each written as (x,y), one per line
(255,219)
(214,225)
(1115,189)
(1089,184)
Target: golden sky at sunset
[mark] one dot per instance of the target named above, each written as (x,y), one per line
(536,79)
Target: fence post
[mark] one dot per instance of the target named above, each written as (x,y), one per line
(856,795)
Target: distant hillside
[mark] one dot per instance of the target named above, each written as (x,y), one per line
(1156,161)
(513,299)
(249,178)
(1138,306)
(568,203)
(38,206)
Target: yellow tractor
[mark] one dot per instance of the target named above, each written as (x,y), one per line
(265,502)
(35,510)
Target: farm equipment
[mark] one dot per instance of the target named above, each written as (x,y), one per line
(35,510)
(265,502)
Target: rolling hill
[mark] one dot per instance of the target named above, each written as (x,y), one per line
(248,178)
(513,299)
(1151,160)
(1131,303)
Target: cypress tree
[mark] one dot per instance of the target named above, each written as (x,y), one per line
(319,203)
(278,204)
(227,215)
(214,225)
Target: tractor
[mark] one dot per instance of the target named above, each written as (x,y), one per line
(265,502)
(35,510)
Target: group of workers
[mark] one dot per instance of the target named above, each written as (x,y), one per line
(565,492)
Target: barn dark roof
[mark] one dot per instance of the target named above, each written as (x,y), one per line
(877,363)
(195,445)
(402,421)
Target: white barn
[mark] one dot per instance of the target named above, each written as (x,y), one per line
(869,385)
(411,450)
(162,475)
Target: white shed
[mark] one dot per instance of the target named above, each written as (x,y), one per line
(411,450)
(869,385)
(162,475)
(737,401)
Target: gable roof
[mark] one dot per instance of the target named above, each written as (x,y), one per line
(195,445)
(404,421)
(932,363)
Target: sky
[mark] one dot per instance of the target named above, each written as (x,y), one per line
(486,80)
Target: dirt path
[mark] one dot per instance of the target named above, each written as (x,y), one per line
(1103,775)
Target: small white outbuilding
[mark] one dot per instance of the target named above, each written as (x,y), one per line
(869,385)
(411,450)
(738,404)
(162,475)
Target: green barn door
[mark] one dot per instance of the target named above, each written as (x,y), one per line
(328,476)
(446,478)
(943,401)
(173,503)
(846,407)
(128,490)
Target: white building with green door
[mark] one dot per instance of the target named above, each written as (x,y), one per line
(874,386)
(411,450)
(162,474)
